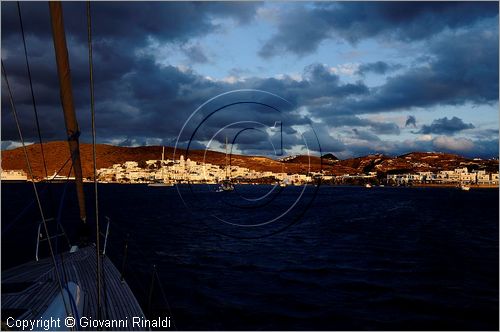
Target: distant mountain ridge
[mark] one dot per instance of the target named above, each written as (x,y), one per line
(57,153)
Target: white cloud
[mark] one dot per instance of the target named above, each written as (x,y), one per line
(348,69)
(424,138)
(293,76)
(183,68)
(231,79)
(451,143)
(9,145)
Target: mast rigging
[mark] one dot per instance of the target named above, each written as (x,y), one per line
(94,159)
(64,74)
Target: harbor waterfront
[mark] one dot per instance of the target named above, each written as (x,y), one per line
(385,258)
(187,171)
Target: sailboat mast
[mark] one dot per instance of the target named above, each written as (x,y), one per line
(226,159)
(162,158)
(64,74)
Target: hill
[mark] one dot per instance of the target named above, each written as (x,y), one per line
(57,153)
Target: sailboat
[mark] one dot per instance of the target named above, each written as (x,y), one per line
(83,281)
(161,182)
(464,187)
(283,183)
(226,184)
(58,178)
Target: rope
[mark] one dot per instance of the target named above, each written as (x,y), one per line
(105,292)
(92,112)
(31,89)
(59,211)
(146,258)
(61,254)
(51,200)
(14,112)
(140,284)
(165,299)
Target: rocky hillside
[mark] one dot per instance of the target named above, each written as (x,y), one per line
(57,153)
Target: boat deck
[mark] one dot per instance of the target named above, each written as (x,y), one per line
(28,289)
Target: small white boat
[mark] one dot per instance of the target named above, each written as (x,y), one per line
(464,188)
(368,185)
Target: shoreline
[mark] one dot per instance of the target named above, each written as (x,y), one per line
(454,185)
(421,185)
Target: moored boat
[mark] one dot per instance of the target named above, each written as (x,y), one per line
(161,182)
(226,184)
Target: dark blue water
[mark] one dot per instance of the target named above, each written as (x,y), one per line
(341,258)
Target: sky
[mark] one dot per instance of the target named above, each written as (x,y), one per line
(348,78)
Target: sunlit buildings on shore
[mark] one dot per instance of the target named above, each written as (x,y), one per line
(188,171)
(184,171)
(457,176)
(14,175)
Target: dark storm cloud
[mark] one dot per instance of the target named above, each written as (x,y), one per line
(387,128)
(446,126)
(128,87)
(134,21)
(328,143)
(141,102)
(334,120)
(317,87)
(303,28)
(365,135)
(484,134)
(411,121)
(464,69)
(378,67)
(485,148)
(154,101)
(119,30)
(320,82)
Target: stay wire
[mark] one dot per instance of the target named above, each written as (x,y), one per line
(59,214)
(14,112)
(31,90)
(165,298)
(28,206)
(148,260)
(92,112)
(61,254)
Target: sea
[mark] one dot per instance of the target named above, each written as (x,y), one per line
(285,258)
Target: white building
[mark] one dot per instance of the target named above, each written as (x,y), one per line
(14,175)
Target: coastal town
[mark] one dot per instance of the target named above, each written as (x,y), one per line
(188,171)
